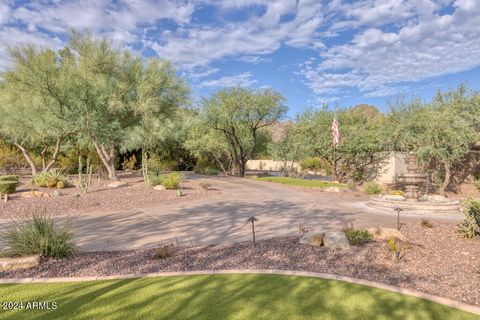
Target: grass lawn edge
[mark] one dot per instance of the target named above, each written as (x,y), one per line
(404,291)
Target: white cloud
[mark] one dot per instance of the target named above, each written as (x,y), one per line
(381,63)
(242,80)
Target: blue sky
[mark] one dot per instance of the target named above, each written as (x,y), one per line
(311,51)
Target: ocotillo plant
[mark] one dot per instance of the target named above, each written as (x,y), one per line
(84,183)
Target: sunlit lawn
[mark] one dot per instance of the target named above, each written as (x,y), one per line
(231,296)
(303,182)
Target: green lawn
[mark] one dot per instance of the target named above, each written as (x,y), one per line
(302,182)
(232,296)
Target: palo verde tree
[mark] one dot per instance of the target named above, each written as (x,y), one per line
(37,112)
(120,94)
(238,116)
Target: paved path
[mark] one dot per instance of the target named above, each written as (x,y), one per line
(279,210)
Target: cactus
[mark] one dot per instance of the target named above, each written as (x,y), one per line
(84,183)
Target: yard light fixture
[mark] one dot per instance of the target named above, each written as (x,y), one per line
(398,209)
(253,219)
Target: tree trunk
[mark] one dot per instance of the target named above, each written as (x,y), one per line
(108,158)
(446,180)
(56,151)
(28,158)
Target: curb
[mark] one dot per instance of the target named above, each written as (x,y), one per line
(417,294)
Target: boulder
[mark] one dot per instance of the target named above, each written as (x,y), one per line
(19,263)
(386,234)
(159,188)
(332,189)
(117,184)
(312,238)
(336,240)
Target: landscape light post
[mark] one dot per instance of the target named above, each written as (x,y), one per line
(398,209)
(253,219)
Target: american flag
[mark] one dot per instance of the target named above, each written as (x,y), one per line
(335,132)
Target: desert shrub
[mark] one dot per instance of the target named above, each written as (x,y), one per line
(426,223)
(357,237)
(8,187)
(172,180)
(129,163)
(315,164)
(157,165)
(49,179)
(10,178)
(476,175)
(372,188)
(211,171)
(477,184)
(470,226)
(397,193)
(154,179)
(164,252)
(41,235)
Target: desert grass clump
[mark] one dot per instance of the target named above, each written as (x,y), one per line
(164,252)
(171,180)
(49,179)
(357,237)
(39,234)
(372,188)
(10,178)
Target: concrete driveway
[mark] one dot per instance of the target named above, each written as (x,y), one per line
(279,210)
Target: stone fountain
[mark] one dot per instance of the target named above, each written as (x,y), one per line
(414,200)
(412,179)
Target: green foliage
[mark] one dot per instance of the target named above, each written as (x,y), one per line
(443,146)
(172,180)
(372,188)
(470,226)
(477,184)
(8,187)
(39,235)
(154,179)
(357,237)
(316,164)
(49,179)
(303,182)
(362,139)
(10,178)
(156,164)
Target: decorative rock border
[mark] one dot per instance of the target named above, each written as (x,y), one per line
(417,294)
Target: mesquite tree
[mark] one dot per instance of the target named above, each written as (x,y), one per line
(237,116)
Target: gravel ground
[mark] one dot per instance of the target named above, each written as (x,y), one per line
(437,261)
(99,199)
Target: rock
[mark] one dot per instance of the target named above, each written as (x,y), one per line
(117,184)
(332,189)
(312,238)
(57,193)
(336,240)
(386,234)
(19,263)
(159,187)
(436,197)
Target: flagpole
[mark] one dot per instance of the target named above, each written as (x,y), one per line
(334,170)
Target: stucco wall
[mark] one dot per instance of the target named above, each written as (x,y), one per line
(268,165)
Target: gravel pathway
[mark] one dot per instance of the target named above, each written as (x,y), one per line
(437,261)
